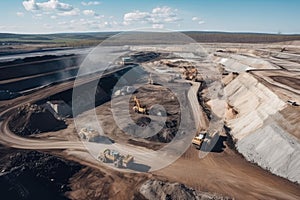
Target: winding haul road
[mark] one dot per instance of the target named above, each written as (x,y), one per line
(143,156)
(226,173)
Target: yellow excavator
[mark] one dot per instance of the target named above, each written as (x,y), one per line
(137,107)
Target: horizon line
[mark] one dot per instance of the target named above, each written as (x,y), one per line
(182,31)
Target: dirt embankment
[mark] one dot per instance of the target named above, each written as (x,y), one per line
(151,95)
(32,119)
(27,175)
(95,184)
(290,81)
(155,189)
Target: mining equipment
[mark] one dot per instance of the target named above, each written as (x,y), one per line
(137,107)
(199,139)
(292,103)
(190,73)
(127,61)
(88,134)
(116,158)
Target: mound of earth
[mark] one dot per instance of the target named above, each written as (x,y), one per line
(144,56)
(156,189)
(150,96)
(167,134)
(34,175)
(32,119)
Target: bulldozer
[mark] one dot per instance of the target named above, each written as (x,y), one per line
(137,107)
(116,158)
(199,139)
(88,134)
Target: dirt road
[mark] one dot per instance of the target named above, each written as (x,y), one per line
(229,174)
(222,171)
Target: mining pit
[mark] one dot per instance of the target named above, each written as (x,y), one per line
(245,162)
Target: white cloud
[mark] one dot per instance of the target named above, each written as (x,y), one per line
(97,16)
(73,12)
(53,17)
(62,23)
(11,28)
(158,16)
(20,14)
(136,16)
(88,24)
(164,14)
(90,3)
(161,10)
(88,12)
(47,26)
(32,5)
(198,20)
(55,5)
(158,26)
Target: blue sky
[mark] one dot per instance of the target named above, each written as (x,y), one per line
(51,16)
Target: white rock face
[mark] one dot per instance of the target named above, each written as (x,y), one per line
(239,63)
(272,148)
(254,103)
(259,136)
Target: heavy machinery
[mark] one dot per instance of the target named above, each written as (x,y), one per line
(116,158)
(137,107)
(88,134)
(127,61)
(198,140)
(190,73)
(292,103)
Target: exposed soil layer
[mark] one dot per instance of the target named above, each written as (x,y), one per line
(32,119)
(94,184)
(151,95)
(144,56)
(229,174)
(30,175)
(290,81)
(222,171)
(148,95)
(155,189)
(149,145)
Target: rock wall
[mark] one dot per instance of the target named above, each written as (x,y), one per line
(240,63)
(257,130)
(156,189)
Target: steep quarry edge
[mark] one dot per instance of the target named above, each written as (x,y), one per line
(241,63)
(257,131)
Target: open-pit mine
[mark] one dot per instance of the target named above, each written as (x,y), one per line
(164,121)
